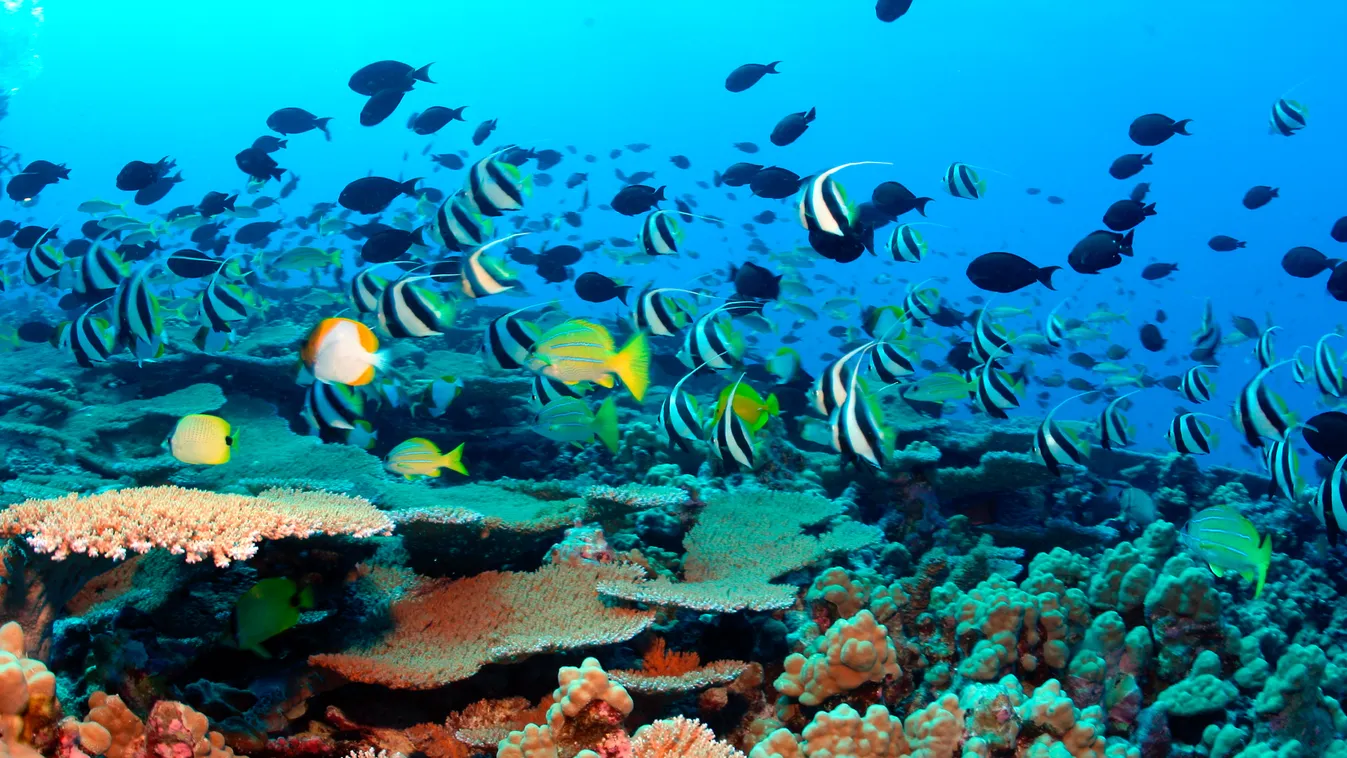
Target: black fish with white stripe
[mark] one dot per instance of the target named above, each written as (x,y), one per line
(1261,413)
(88,339)
(679,417)
(136,314)
(1196,386)
(333,405)
(1283,467)
(855,430)
(1263,349)
(1288,117)
(1327,370)
(366,288)
(409,310)
(1057,446)
(546,389)
(730,438)
(41,263)
(830,386)
(508,340)
(658,313)
(962,180)
(1330,503)
(484,276)
(1114,430)
(101,270)
(222,303)
(1190,435)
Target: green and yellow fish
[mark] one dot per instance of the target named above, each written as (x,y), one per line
(1229,542)
(939,388)
(748,405)
(577,351)
(569,419)
(418,457)
(270,607)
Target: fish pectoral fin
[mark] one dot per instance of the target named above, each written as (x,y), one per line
(1249,576)
(1217,570)
(607,381)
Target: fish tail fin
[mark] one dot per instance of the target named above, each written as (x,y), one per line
(773,405)
(1264,559)
(423,74)
(1181,127)
(277,173)
(409,187)
(229,202)
(921,204)
(632,365)
(622,293)
(605,424)
(321,123)
(771,67)
(1045,276)
(453,460)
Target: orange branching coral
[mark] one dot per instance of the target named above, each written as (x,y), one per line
(660,661)
(679,738)
(445,630)
(742,541)
(194,523)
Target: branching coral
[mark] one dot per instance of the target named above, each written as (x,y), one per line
(192,523)
(445,630)
(741,542)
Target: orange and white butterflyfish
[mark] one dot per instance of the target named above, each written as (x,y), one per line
(342,351)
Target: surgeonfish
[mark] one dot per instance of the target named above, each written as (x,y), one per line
(268,608)
(343,351)
(583,351)
(201,439)
(1229,542)
(419,457)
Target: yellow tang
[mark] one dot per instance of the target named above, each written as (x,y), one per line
(749,406)
(201,439)
(577,351)
(270,607)
(419,457)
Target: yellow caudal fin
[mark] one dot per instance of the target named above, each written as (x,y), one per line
(605,424)
(453,460)
(632,366)
(1263,558)
(773,406)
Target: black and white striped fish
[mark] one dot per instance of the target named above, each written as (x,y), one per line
(920,305)
(1263,349)
(136,315)
(962,180)
(1196,386)
(823,204)
(88,339)
(41,263)
(1054,329)
(494,187)
(906,244)
(1288,117)
(483,276)
(546,389)
(659,234)
(856,432)
(1330,503)
(995,390)
(1259,412)
(1207,338)
(679,417)
(890,363)
(711,344)
(730,437)
(1190,435)
(1299,371)
(1114,431)
(101,270)
(409,310)
(508,340)
(457,227)
(1283,467)
(1327,370)
(830,386)
(1057,446)
(988,340)
(366,287)
(658,313)
(330,405)
(223,302)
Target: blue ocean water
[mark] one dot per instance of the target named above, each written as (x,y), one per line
(1041,92)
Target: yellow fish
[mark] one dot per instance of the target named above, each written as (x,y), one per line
(269,608)
(577,351)
(419,457)
(201,440)
(749,406)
